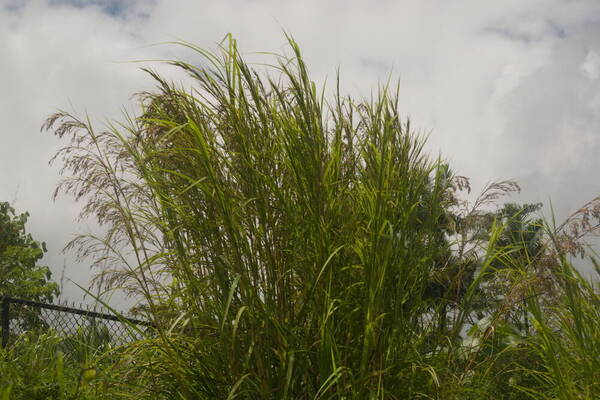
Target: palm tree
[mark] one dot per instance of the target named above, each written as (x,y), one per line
(521,236)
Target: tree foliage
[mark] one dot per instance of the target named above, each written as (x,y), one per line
(20,273)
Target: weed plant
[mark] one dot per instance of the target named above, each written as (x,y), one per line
(49,367)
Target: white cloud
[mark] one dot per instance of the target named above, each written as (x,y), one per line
(591,65)
(507,89)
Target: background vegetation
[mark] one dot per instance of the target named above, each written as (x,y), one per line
(20,274)
(292,247)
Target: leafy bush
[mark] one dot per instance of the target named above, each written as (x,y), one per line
(20,274)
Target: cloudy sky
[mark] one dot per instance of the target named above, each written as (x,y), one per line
(506,89)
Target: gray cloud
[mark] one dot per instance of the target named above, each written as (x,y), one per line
(507,89)
(551,125)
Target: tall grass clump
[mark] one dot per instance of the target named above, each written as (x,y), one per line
(550,316)
(566,319)
(289,241)
(567,339)
(292,245)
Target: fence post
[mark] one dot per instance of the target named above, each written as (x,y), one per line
(5,323)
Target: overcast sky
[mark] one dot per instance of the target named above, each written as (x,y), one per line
(505,89)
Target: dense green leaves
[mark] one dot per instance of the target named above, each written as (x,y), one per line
(20,274)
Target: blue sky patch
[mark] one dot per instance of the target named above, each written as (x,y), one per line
(551,29)
(110,7)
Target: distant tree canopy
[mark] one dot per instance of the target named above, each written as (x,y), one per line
(20,274)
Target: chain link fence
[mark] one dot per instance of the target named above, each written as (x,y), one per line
(18,316)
